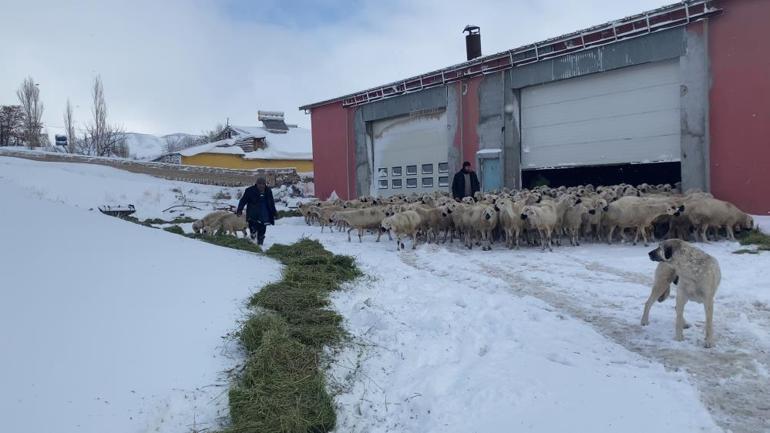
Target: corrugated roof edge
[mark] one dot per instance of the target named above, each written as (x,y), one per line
(482,59)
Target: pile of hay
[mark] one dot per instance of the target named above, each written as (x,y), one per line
(282,387)
(753,237)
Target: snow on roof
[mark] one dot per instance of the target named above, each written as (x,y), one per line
(254,131)
(221,146)
(295,144)
(488,151)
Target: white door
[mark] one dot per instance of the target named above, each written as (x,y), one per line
(410,154)
(629,115)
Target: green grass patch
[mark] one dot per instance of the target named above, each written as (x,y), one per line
(243,244)
(136,220)
(183,220)
(177,220)
(754,237)
(745,251)
(174,229)
(287,213)
(282,388)
(155,221)
(149,222)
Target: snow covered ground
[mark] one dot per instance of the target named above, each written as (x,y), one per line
(457,340)
(106,325)
(446,339)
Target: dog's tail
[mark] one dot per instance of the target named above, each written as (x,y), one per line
(665,295)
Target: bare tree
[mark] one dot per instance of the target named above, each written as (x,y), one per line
(103,139)
(69,125)
(213,134)
(29,98)
(177,142)
(11,125)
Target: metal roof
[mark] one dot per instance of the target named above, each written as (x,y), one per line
(666,17)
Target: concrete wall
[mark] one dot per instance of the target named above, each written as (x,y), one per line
(491,97)
(739,115)
(512,136)
(694,104)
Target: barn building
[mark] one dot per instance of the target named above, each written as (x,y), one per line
(676,94)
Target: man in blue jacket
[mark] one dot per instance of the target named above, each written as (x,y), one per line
(260,209)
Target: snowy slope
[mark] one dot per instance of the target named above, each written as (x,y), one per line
(147,146)
(110,326)
(89,186)
(144,146)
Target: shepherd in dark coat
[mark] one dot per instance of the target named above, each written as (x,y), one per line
(465,183)
(260,209)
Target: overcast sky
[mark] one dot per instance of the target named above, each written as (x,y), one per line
(184,65)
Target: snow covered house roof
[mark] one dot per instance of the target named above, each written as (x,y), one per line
(294,144)
(226,146)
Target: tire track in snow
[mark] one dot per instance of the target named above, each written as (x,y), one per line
(732,379)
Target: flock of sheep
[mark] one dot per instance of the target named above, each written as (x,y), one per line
(541,216)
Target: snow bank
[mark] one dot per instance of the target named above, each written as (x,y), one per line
(107,325)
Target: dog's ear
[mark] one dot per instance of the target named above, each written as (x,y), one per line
(668,251)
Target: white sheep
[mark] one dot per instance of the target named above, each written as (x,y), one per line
(543,218)
(199,225)
(403,223)
(638,213)
(361,220)
(232,224)
(704,212)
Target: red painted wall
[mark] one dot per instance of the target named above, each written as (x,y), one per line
(466,138)
(333,151)
(739,104)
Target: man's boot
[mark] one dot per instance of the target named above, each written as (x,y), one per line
(260,240)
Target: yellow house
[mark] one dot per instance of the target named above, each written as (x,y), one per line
(252,147)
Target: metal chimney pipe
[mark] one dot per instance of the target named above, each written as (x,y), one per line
(472,41)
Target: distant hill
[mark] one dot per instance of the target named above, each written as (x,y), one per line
(147,146)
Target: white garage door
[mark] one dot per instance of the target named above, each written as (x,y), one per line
(410,154)
(629,115)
